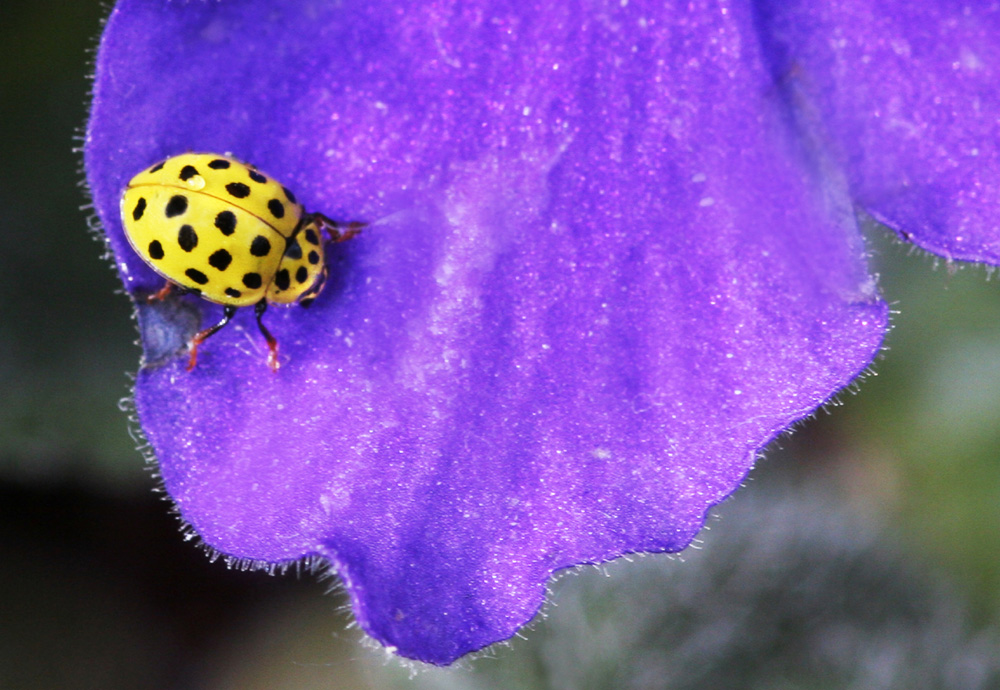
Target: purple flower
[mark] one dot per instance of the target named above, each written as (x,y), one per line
(612,253)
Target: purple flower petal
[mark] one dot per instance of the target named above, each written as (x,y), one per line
(907,94)
(600,275)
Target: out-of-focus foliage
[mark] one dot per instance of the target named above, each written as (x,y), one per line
(66,339)
(922,439)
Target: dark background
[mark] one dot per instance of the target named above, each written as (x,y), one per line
(98,588)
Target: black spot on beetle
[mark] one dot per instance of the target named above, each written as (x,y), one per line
(196,275)
(220,164)
(260,246)
(158,167)
(313,257)
(238,190)
(155,250)
(282,280)
(226,222)
(276,208)
(301,274)
(177,205)
(252,280)
(187,238)
(257,177)
(187,172)
(289,195)
(232,292)
(140,208)
(220,259)
(311,237)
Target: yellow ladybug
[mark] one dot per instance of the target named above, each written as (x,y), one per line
(216,226)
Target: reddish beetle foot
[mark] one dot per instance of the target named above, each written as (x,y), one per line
(161,294)
(192,355)
(352,229)
(200,336)
(337,231)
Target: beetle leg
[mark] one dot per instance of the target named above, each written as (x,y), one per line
(337,231)
(200,336)
(161,294)
(167,289)
(272,344)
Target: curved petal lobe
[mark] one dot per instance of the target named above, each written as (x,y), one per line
(599,276)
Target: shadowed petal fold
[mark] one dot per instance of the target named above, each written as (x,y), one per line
(600,275)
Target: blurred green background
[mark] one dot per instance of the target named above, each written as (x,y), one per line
(98,588)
